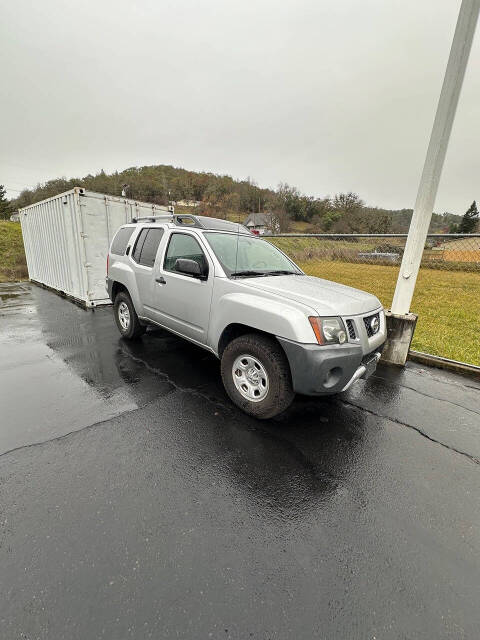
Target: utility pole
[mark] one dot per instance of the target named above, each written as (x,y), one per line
(442,126)
(401,323)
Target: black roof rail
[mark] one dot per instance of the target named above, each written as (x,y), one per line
(179,218)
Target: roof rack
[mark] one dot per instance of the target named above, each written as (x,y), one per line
(178,219)
(199,222)
(163,216)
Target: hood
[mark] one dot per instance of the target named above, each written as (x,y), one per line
(326,297)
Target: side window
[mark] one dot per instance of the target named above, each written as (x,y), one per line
(146,246)
(150,247)
(182,245)
(137,250)
(120,240)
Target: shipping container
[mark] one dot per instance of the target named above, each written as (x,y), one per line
(67,238)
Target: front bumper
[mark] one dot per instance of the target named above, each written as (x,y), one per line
(322,370)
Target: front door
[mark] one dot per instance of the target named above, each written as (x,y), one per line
(182,302)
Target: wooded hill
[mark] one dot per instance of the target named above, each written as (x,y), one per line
(222,196)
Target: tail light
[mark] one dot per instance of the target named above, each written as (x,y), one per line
(108,261)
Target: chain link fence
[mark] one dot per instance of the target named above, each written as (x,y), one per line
(447,294)
(442,251)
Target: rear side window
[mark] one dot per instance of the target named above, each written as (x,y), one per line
(137,251)
(182,245)
(146,246)
(120,240)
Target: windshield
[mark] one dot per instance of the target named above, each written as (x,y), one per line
(254,257)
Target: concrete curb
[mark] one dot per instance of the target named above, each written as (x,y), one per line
(444,363)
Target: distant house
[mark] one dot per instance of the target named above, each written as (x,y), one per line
(257,222)
(15,217)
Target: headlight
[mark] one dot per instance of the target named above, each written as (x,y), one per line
(328,330)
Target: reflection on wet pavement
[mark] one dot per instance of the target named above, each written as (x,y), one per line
(169,510)
(75,370)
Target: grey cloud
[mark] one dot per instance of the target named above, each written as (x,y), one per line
(328,96)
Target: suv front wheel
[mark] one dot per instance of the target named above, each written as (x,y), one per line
(126,318)
(256,375)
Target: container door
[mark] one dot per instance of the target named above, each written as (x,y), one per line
(100,219)
(95,235)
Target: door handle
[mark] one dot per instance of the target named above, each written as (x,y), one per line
(161,280)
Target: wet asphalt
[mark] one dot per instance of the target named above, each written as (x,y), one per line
(137,502)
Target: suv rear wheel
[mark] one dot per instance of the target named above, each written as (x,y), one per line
(126,318)
(256,375)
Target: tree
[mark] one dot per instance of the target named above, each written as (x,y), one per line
(377,221)
(453,227)
(347,202)
(290,200)
(232,202)
(470,219)
(4,203)
(349,209)
(316,208)
(329,219)
(277,221)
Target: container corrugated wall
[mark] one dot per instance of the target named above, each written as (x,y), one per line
(67,238)
(51,244)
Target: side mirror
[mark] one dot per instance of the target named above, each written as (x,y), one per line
(189,268)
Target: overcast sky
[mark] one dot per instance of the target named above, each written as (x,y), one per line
(328,96)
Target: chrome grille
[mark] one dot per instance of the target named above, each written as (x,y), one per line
(351,329)
(368,324)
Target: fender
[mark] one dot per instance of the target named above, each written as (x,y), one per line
(124,274)
(276,317)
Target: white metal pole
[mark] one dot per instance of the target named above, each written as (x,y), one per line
(432,169)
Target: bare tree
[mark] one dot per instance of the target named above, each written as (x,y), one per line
(278,220)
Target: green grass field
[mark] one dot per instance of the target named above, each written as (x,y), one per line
(12,256)
(447,302)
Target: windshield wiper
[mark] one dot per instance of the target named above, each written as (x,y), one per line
(282,272)
(248,273)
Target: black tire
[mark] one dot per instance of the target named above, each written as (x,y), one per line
(134,329)
(272,358)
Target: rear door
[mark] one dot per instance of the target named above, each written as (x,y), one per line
(182,302)
(143,255)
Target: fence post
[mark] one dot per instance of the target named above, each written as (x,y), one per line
(400,322)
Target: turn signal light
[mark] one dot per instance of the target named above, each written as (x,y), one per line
(317,329)
(328,330)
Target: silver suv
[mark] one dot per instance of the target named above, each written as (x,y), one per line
(276,331)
